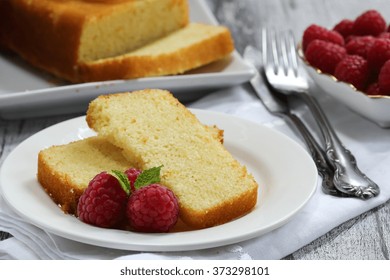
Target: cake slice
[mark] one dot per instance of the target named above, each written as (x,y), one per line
(64,171)
(152,128)
(56,35)
(187,48)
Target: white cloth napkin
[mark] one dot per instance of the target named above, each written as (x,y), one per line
(368,142)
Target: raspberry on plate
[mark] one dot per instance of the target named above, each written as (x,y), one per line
(384,78)
(344,27)
(103,202)
(378,54)
(153,208)
(132,175)
(370,22)
(324,55)
(353,69)
(135,194)
(316,32)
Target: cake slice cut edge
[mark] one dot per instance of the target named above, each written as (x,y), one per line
(185,49)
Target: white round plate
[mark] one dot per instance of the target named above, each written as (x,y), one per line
(286,175)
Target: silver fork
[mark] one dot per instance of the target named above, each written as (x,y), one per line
(280,106)
(283,73)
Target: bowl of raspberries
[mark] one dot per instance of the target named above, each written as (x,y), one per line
(351,62)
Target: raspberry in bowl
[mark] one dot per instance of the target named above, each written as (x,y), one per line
(349,62)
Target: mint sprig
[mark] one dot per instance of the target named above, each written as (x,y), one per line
(147,177)
(122,179)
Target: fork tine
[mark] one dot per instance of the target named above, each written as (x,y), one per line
(293,52)
(278,51)
(275,51)
(280,60)
(287,53)
(285,48)
(264,48)
(269,51)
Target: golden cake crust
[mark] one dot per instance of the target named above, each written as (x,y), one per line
(41,46)
(57,35)
(58,186)
(64,171)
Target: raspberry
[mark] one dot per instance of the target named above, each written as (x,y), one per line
(103,203)
(344,27)
(353,69)
(384,78)
(373,89)
(384,35)
(324,55)
(132,175)
(349,38)
(378,54)
(316,32)
(360,45)
(370,22)
(153,208)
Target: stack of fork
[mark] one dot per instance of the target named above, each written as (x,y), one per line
(283,74)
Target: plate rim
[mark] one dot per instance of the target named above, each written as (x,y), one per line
(147,245)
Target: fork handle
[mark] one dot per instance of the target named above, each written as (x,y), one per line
(347,177)
(324,169)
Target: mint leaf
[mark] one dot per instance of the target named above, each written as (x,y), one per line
(147,177)
(122,179)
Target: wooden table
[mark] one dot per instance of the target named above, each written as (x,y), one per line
(364,237)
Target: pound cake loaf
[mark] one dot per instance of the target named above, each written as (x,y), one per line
(152,128)
(56,35)
(64,171)
(185,49)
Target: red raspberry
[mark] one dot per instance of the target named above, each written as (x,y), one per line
(384,35)
(353,69)
(360,45)
(314,32)
(349,38)
(153,208)
(370,22)
(103,203)
(384,78)
(324,55)
(132,175)
(344,27)
(378,54)
(373,89)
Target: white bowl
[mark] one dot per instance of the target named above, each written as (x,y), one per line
(375,108)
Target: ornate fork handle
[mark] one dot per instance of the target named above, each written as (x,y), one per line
(347,176)
(324,169)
